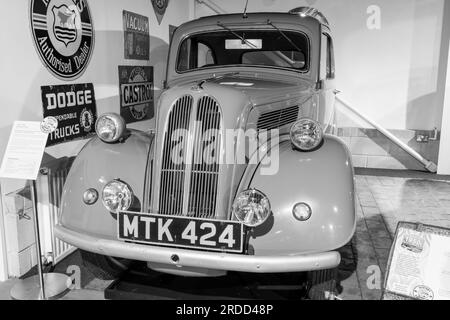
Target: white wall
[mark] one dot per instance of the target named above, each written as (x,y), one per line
(23,73)
(392,75)
(3,262)
(444,154)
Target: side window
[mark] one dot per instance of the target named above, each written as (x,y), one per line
(326,58)
(331,58)
(185,55)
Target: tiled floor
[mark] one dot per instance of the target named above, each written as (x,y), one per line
(383,200)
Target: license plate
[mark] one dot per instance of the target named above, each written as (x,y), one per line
(184,232)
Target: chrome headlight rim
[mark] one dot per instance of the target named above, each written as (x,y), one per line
(302,216)
(90,196)
(118,130)
(318,139)
(263,197)
(128,198)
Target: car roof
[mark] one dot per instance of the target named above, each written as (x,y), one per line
(307,24)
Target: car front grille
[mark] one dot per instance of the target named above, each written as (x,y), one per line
(190,188)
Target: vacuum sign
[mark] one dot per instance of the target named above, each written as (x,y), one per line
(63,35)
(136,93)
(75,109)
(136,36)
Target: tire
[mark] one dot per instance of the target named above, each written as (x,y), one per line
(322,283)
(104,267)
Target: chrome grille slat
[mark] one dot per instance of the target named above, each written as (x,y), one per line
(197,159)
(277,119)
(196,197)
(276,113)
(173,174)
(207,197)
(215,177)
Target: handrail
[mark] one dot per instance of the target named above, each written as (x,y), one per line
(429,165)
(213,6)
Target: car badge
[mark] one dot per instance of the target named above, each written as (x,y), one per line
(198,86)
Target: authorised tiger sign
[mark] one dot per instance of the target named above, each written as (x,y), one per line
(63,35)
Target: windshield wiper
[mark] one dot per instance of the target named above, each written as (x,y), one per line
(284,35)
(237,35)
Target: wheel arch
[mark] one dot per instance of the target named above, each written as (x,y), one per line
(97,164)
(324,179)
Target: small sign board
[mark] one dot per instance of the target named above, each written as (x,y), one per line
(160,7)
(136,36)
(74,107)
(24,152)
(136,93)
(419,264)
(236,44)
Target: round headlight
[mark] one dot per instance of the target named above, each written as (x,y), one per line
(117,196)
(306,134)
(252,208)
(110,127)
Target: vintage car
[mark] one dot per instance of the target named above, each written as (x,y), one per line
(188,199)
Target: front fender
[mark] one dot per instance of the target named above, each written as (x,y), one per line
(324,179)
(96,165)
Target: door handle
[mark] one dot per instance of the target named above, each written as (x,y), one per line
(335,91)
(23,215)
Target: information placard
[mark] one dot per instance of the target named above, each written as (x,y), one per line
(419,264)
(23,155)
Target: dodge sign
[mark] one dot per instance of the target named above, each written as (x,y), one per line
(75,109)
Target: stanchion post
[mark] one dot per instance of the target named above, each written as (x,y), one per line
(37,236)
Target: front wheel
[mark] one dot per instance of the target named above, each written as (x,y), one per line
(104,267)
(322,284)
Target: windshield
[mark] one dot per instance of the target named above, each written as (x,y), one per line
(262,48)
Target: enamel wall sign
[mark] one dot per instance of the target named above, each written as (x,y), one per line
(136,36)
(136,93)
(160,7)
(63,35)
(74,109)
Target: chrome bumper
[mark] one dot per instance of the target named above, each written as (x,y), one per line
(198,259)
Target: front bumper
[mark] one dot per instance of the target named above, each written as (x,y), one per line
(199,259)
